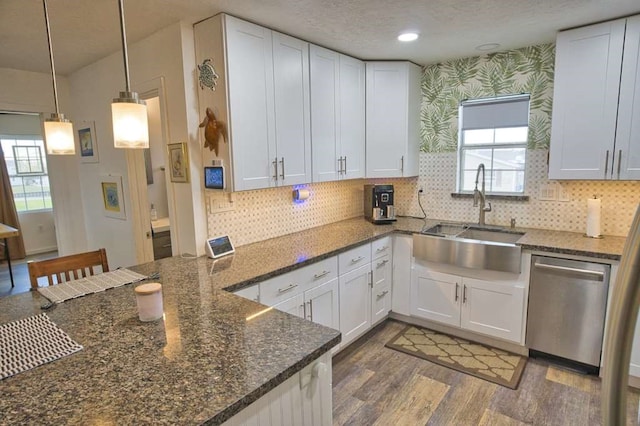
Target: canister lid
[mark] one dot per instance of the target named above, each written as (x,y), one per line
(149,288)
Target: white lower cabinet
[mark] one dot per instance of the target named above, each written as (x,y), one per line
(293,305)
(322,304)
(302,399)
(355,303)
(251,293)
(381,289)
(494,308)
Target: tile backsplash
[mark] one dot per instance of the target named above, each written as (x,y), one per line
(270,213)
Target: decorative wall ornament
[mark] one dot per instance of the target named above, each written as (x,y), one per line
(86,132)
(179,162)
(112,198)
(208,76)
(445,85)
(213,129)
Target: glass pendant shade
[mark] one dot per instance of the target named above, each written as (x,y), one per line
(130,123)
(58,135)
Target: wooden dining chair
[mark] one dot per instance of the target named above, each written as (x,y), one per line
(67,268)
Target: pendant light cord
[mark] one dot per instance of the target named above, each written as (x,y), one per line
(124,45)
(53,67)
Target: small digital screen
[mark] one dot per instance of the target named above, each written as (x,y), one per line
(220,245)
(214,177)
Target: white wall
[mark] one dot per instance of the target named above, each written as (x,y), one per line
(157,191)
(23,91)
(92,88)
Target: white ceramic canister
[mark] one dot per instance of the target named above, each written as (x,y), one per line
(149,299)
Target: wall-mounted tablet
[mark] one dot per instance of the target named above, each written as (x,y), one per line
(219,246)
(214,177)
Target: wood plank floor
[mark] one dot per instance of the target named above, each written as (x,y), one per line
(377,385)
(20,274)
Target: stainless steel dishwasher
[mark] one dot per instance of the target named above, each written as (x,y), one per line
(567,305)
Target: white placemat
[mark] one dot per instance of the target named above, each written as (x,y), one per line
(92,284)
(30,342)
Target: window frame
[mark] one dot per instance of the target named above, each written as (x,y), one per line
(489,171)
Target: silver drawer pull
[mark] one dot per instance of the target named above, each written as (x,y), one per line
(320,275)
(383,248)
(380,264)
(357,259)
(599,274)
(384,293)
(166,245)
(289,287)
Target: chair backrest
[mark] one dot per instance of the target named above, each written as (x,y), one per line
(67,268)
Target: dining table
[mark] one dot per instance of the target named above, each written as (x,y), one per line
(7,231)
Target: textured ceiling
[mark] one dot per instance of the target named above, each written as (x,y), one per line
(84,31)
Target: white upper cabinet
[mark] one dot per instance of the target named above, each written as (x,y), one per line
(393,119)
(628,135)
(292,110)
(261,97)
(594,123)
(337,115)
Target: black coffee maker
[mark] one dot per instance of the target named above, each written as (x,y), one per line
(378,203)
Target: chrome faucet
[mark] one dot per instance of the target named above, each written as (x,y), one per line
(480,196)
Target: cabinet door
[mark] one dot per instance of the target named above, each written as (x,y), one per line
(292,105)
(322,304)
(294,306)
(355,303)
(251,293)
(492,308)
(435,296)
(627,160)
(324,77)
(251,103)
(381,290)
(352,117)
(386,109)
(585,101)
(401,288)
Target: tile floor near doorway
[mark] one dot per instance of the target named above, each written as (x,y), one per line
(373,384)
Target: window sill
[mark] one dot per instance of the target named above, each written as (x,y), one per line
(492,196)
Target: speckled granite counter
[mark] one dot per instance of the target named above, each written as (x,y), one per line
(205,361)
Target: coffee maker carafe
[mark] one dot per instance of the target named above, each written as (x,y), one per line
(378,203)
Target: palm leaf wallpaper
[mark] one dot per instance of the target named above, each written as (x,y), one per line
(445,85)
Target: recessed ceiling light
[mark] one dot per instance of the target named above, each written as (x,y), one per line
(409,36)
(488,46)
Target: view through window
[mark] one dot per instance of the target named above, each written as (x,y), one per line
(27,167)
(494,132)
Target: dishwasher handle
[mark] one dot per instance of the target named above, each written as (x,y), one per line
(598,274)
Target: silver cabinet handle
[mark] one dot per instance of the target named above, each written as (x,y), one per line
(464,294)
(457,287)
(311,310)
(383,248)
(384,262)
(370,279)
(606,164)
(340,165)
(345,165)
(357,259)
(384,293)
(166,245)
(598,274)
(320,275)
(275,168)
(289,287)
(282,164)
(402,164)
(619,162)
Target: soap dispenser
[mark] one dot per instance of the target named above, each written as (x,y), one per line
(154,213)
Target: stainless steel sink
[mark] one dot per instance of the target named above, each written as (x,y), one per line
(469,246)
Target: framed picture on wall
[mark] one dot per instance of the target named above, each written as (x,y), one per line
(87,142)
(179,162)
(112,198)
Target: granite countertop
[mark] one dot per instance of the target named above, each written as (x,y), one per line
(206,360)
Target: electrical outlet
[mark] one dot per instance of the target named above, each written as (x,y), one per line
(221,202)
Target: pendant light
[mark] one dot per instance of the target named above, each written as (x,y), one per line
(58,131)
(128,111)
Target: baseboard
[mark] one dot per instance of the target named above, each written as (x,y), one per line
(42,250)
(464,334)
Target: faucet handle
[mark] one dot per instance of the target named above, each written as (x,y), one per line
(488,208)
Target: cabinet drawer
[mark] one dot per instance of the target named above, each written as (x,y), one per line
(380,247)
(251,293)
(282,287)
(354,258)
(319,272)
